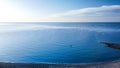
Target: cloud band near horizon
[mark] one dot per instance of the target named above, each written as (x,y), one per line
(110,13)
(104,13)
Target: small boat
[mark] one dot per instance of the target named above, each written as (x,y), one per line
(112,45)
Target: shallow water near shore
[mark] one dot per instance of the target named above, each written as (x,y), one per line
(58,42)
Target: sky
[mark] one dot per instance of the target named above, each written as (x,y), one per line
(59,10)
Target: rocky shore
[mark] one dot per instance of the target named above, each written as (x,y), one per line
(115,64)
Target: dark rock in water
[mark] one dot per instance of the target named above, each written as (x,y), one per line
(112,45)
(71,46)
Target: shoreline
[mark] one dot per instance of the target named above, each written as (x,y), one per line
(113,64)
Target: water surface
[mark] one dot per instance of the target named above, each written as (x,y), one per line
(58,42)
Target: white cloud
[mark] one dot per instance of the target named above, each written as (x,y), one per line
(11,13)
(102,13)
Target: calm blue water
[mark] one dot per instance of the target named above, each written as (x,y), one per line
(58,42)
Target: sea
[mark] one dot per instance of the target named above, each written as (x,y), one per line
(59,42)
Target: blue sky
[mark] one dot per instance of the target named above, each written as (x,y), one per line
(60,10)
